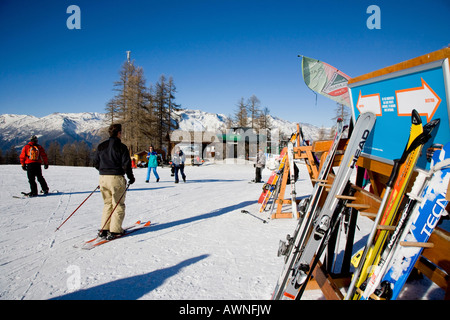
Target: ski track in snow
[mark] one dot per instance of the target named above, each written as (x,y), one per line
(199,246)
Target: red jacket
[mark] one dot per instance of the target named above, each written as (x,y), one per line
(25,155)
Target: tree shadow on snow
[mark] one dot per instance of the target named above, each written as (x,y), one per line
(215,213)
(131,288)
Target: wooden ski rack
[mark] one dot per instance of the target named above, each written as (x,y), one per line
(434,262)
(302,152)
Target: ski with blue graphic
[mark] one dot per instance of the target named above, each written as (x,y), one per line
(426,211)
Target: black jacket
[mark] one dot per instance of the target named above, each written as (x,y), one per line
(112,158)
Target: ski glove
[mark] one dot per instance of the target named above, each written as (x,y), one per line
(131,180)
(24,167)
(45,166)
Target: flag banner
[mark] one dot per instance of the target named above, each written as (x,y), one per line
(326,80)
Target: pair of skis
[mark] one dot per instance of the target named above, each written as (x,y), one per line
(293,245)
(425,206)
(269,188)
(292,179)
(95,242)
(393,196)
(322,222)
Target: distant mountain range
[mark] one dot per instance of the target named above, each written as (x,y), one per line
(16,130)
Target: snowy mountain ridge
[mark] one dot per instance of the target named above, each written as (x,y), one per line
(205,121)
(16,129)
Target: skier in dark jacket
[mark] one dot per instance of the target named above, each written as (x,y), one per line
(260,164)
(113,161)
(178,161)
(31,159)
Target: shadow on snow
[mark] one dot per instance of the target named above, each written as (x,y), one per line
(215,213)
(131,288)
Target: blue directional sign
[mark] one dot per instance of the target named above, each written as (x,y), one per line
(392,97)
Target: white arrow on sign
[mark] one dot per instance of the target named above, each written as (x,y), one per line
(423,99)
(369,103)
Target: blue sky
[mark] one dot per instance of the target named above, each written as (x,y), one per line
(217,51)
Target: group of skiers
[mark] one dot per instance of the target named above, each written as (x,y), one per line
(113,162)
(177,162)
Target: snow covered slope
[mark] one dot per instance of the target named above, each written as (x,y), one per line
(200,245)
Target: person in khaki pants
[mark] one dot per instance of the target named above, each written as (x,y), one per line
(113,161)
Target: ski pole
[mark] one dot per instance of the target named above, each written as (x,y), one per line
(245,211)
(77,208)
(110,215)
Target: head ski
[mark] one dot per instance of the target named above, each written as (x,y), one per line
(299,272)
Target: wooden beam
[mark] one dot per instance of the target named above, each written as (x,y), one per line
(426,58)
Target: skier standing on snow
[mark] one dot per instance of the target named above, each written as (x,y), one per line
(113,161)
(152,157)
(31,158)
(260,164)
(178,160)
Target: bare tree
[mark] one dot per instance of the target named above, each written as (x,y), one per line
(54,154)
(148,115)
(264,119)
(241,117)
(342,112)
(253,105)
(131,105)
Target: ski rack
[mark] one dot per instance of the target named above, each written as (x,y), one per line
(433,263)
(300,153)
(307,153)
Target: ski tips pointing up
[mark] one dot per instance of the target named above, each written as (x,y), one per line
(415,117)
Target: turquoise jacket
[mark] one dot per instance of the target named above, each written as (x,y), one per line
(152,159)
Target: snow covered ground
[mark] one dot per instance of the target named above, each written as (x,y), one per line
(200,245)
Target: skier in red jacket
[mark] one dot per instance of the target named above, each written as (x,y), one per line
(31,158)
